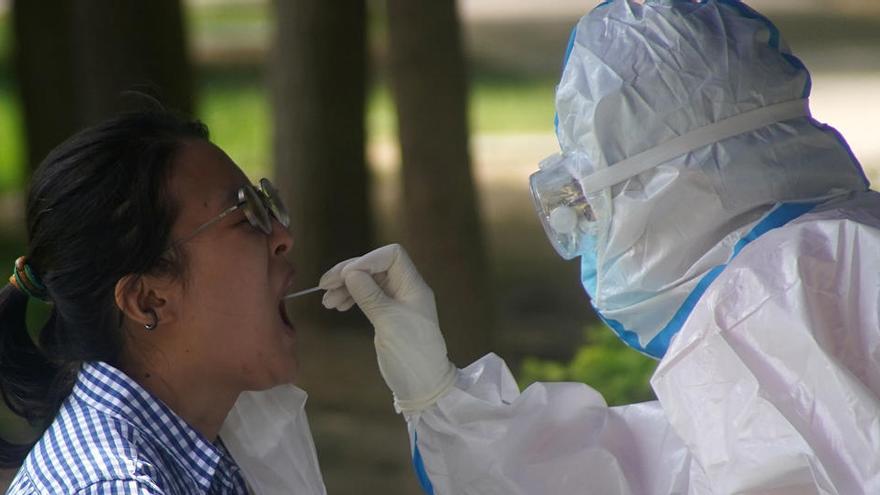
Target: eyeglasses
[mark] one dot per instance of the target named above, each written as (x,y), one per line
(257,204)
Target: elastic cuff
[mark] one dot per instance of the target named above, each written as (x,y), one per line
(415,405)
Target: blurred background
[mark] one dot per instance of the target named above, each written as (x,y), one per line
(411,121)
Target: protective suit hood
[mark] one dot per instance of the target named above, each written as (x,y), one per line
(638,76)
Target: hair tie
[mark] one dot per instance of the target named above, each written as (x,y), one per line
(24,279)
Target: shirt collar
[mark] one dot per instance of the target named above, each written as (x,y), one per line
(109,390)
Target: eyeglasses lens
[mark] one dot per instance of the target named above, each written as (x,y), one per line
(273,202)
(254,209)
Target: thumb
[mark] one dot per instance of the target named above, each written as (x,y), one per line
(364,290)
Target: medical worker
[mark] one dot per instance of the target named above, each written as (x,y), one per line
(719,229)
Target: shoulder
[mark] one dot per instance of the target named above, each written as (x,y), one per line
(822,257)
(816,274)
(85,451)
(789,328)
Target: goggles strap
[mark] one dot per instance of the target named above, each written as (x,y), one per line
(704,136)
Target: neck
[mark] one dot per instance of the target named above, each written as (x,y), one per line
(203,404)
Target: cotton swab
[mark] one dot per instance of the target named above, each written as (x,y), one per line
(302,293)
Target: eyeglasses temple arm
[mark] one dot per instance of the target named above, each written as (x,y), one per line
(209,223)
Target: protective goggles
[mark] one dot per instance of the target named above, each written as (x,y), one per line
(259,206)
(564,182)
(562,207)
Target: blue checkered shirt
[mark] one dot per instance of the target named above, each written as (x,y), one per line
(113,437)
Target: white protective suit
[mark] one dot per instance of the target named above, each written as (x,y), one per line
(751,265)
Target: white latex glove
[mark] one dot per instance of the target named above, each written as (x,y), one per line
(400,305)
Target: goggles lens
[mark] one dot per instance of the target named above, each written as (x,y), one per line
(564,212)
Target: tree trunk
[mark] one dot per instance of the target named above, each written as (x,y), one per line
(318,75)
(44,70)
(130,45)
(441,210)
(75,60)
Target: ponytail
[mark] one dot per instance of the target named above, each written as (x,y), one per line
(26,376)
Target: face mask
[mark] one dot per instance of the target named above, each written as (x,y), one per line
(589,266)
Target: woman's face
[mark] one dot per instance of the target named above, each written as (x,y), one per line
(230,311)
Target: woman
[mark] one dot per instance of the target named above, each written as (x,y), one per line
(165,270)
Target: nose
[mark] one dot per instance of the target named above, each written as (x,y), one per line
(281,238)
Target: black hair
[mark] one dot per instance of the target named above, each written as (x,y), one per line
(98,208)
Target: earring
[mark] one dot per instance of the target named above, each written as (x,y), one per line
(152,326)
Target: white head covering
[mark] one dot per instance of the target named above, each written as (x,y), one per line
(640,75)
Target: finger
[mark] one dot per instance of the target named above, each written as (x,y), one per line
(393,271)
(332,279)
(403,278)
(376,261)
(345,306)
(364,290)
(335,297)
(382,281)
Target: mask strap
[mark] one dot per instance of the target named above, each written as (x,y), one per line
(704,136)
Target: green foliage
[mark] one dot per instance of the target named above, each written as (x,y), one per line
(605,363)
(11,133)
(5,38)
(236,110)
(512,105)
(12,160)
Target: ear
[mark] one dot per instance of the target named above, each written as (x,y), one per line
(140,297)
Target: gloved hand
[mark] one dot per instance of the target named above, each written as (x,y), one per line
(400,305)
